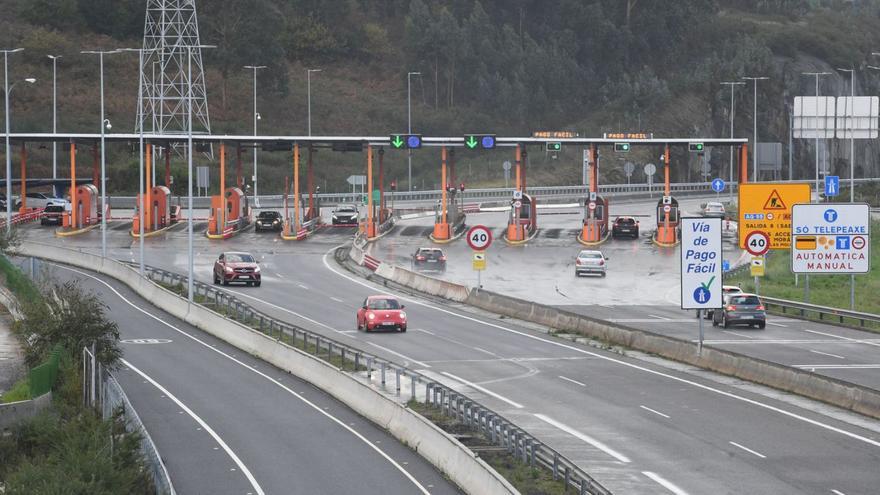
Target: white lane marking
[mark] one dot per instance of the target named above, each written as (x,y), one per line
(738,334)
(827,354)
(777,324)
(750,451)
(692,383)
(279,308)
(487,352)
(425,331)
(664,483)
(586,438)
(416,361)
(655,319)
(856,341)
(573,381)
(658,413)
(659,317)
(202,423)
(302,286)
(279,275)
(337,299)
(838,366)
(837,492)
(776,341)
(484,390)
(276,382)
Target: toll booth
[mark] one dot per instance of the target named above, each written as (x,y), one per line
(84,209)
(523,220)
(229,213)
(667,232)
(160,211)
(595,225)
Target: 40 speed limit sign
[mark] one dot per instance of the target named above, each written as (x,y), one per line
(479,238)
(757,243)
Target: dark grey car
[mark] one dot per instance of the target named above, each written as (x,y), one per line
(741,309)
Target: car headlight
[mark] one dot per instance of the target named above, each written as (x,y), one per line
(229,269)
(257,269)
(276,221)
(402,315)
(371,316)
(334,215)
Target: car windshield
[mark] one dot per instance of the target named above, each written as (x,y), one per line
(626,221)
(239,258)
(54,208)
(745,300)
(347,209)
(269,214)
(384,304)
(590,255)
(729,290)
(715,206)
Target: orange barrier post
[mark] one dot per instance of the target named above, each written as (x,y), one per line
(238,179)
(296,199)
(168,167)
(147,201)
(666,233)
(286,231)
(71,215)
(381,205)
(310,183)
(371,221)
(23,179)
(744,164)
(441,225)
(514,229)
(590,231)
(96,162)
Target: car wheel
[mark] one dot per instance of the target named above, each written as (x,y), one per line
(603,274)
(225,282)
(216,280)
(577,274)
(724,322)
(714,323)
(762,325)
(358,322)
(257,284)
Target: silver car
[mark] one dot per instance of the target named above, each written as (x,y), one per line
(714,209)
(590,262)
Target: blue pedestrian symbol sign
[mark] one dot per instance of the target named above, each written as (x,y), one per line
(832,185)
(717,185)
(830,215)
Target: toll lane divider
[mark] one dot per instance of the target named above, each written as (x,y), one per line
(20,218)
(444,451)
(840,393)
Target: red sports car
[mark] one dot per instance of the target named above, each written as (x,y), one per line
(236,267)
(381,313)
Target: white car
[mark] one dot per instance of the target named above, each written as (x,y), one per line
(714,209)
(590,262)
(39,200)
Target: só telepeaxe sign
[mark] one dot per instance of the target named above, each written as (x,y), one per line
(831,238)
(701,263)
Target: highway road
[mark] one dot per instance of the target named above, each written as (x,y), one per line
(640,425)
(226,422)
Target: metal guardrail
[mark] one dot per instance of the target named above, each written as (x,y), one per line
(823,312)
(477,417)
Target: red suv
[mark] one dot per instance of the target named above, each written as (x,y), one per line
(381,313)
(236,267)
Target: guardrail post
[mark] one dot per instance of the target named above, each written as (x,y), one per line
(317,345)
(555,466)
(357,361)
(342,355)
(532,458)
(412,384)
(329,350)
(444,404)
(567,476)
(261,319)
(490,422)
(397,373)
(583,486)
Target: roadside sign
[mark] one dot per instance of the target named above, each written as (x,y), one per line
(593,195)
(517,204)
(479,261)
(725,266)
(832,185)
(667,208)
(757,243)
(650,169)
(517,194)
(831,238)
(479,238)
(717,185)
(700,263)
(766,207)
(757,266)
(592,205)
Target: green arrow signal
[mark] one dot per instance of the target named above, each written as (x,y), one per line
(471,142)
(397,142)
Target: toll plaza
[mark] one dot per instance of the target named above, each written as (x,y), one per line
(594,230)
(230,211)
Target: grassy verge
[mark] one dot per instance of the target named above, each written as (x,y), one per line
(17,282)
(526,479)
(20,391)
(825,290)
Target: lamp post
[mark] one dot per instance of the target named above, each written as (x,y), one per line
(255,68)
(54,59)
(755,126)
(6,90)
(409,125)
(104,123)
(817,74)
(732,84)
(852,142)
(309,98)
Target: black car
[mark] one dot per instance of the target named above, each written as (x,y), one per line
(625,226)
(52,215)
(345,215)
(269,220)
(740,309)
(429,259)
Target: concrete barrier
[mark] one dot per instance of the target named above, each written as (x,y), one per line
(452,458)
(16,412)
(839,393)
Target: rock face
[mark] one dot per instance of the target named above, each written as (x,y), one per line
(11,355)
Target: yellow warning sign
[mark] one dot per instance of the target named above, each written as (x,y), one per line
(766,207)
(774,202)
(757,266)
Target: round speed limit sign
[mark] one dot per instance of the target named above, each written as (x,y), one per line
(757,243)
(479,238)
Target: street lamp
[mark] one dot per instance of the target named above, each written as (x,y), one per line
(409,125)
(6,90)
(309,98)
(255,68)
(755,126)
(104,122)
(852,141)
(732,85)
(54,59)
(817,74)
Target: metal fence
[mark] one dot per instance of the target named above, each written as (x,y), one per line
(822,312)
(476,416)
(101,390)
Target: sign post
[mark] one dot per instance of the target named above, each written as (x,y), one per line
(701,274)
(479,238)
